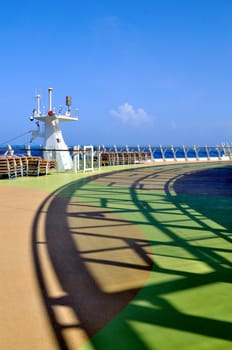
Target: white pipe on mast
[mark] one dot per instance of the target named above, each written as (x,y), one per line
(38,104)
(50,98)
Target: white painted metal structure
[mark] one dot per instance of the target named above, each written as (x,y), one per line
(54,144)
(87,156)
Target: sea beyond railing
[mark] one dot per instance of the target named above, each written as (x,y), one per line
(158,152)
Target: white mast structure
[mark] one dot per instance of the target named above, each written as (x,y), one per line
(54,145)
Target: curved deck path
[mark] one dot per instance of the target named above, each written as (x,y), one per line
(40,256)
(70,265)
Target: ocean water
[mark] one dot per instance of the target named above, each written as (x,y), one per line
(159,152)
(21,150)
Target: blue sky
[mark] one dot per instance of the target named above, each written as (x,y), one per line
(140,72)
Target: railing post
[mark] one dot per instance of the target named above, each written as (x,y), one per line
(207,152)
(173,152)
(28,150)
(185,153)
(99,157)
(162,152)
(218,152)
(196,152)
(76,158)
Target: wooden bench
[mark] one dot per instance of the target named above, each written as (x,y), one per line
(7,167)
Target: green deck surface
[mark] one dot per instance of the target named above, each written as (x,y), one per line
(186,302)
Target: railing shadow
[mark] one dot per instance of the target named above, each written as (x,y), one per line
(82,238)
(220,266)
(99,260)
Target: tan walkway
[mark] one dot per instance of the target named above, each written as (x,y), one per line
(23,324)
(90,271)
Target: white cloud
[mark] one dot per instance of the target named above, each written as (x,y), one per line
(129,115)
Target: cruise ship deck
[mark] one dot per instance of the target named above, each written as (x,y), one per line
(129,257)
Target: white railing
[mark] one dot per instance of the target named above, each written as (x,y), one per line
(88,158)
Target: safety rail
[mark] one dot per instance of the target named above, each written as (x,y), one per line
(88,158)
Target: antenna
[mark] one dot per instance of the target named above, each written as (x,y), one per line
(69,102)
(38,97)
